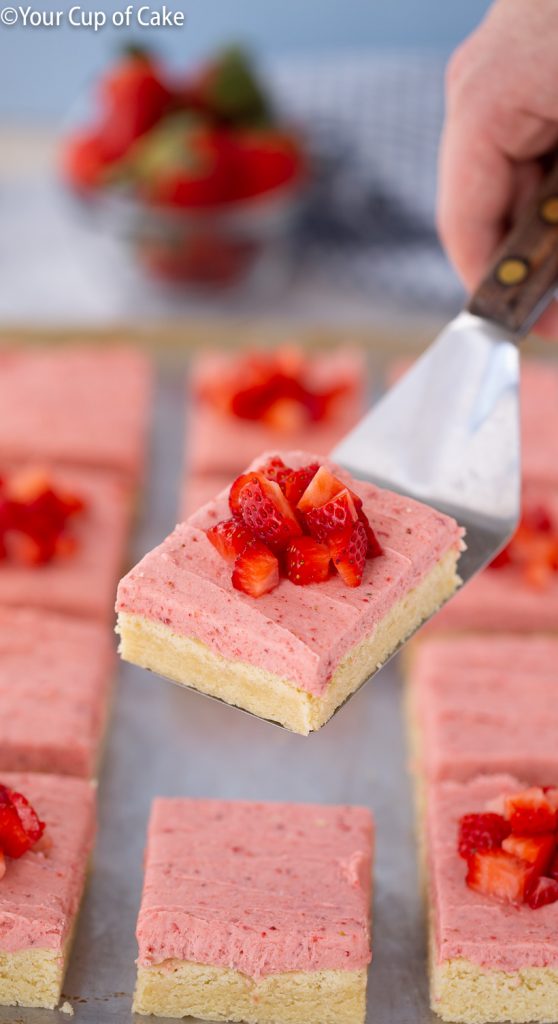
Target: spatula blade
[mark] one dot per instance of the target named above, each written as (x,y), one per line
(448,434)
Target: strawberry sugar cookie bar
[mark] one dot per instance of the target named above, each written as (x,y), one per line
(75,406)
(283,595)
(268,923)
(240,404)
(47,826)
(55,681)
(482,704)
(493,893)
(63,536)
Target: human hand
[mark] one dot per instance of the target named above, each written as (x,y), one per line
(502,116)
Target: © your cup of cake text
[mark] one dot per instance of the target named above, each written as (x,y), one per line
(131,16)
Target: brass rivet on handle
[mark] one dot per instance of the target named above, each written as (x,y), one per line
(512,270)
(548,210)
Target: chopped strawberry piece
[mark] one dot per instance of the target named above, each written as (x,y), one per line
(256,570)
(501,876)
(333,520)
(551,794)
(13,838)
(229,538)
(235,491)
(544,891)
(537,519)
(27,815)
(275,469)
(536,850)
(267,513)
(479,832)
(2,864)
(349,555)
(20,828)
(374,547)
(286,415)
(307,561)
(502,559)
(533,548)
(530,812)
(27,485)
(322,488)
(27,550)
(297,481)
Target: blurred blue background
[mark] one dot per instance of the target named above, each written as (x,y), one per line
(41,70)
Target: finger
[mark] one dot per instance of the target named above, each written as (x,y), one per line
(488,171)
(476,191)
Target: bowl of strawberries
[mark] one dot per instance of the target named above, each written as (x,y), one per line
(201,175)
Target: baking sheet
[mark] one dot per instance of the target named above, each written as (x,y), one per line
(167,741)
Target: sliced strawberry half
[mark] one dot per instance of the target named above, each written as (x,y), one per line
(30,820)
(544,891)
(349,555)
(297,482)
(530,812)
(267,513)
(307,561)
(322,488)
(536,850)
(374,547)
(481,832)
(229,538)
(235,492)
(334,520)
(501,876)
(256,570)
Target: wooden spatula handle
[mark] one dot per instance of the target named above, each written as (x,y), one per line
(524,276)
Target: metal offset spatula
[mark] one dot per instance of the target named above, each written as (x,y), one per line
(448,432)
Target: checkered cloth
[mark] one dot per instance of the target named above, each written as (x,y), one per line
(376,120)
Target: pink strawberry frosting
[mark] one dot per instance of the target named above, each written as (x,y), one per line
(259,888)
(81,583)
(486,704)
(81,406)
(493,935)
(54,690)
(186,585)
(41,891)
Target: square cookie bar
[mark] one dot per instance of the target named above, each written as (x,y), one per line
(493,947)
(80,406)
(484,704)
(55,680)
(81,582)
(255,912)
(40,893)
(295,653)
